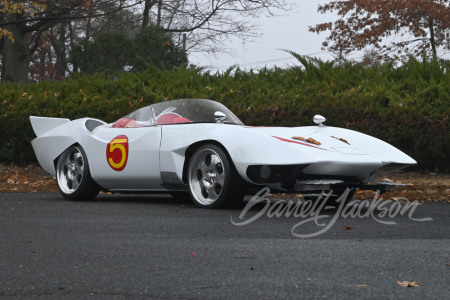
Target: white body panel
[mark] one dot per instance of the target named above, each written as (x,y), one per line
(42,124)
(51,144)
(142,167)
(258,146)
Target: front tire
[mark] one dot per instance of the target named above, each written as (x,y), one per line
(213,180)
(73,175)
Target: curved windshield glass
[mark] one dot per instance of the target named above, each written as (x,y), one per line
(144,114)
(177,112)
(139,118)
(192,111)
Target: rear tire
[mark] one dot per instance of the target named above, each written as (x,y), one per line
(73,175)
(213,179)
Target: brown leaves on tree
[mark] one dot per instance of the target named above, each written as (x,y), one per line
(423,23)
(86,3)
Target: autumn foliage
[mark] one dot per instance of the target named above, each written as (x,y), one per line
(30,8)
(413,26)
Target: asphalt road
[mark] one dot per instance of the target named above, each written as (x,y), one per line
(130,246)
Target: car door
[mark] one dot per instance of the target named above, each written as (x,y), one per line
(126,158)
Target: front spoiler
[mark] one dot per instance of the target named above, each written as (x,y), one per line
(331,184)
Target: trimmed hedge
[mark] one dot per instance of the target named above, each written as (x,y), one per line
(407,106)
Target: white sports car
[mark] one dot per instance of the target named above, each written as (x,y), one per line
(201,147)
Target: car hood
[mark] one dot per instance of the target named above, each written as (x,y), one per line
(336,140)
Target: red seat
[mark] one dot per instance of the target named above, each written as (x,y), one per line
(126,123)
(171,118)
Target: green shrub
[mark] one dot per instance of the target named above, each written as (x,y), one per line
(407,106)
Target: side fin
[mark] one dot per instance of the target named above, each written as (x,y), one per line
(42,124)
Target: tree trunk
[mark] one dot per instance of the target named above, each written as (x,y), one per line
(71,39)
(60,51)
(42,64)
(89,20)
(146,15)
(17,57)
(158,21)
(432,40)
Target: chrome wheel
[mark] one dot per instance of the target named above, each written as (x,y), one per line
(70,170)
(73,175)
(207,176)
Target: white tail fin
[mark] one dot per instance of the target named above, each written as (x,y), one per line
(42,124)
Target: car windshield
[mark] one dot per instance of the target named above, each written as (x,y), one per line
(179,111)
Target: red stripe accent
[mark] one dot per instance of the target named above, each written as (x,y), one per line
(295,142)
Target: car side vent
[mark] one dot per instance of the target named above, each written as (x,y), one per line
(92,124)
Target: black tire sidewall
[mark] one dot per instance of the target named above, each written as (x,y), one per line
(88,189)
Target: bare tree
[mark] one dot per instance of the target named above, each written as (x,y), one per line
(195,25)
(206,25)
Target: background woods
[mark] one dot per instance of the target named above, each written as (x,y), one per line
(51,39)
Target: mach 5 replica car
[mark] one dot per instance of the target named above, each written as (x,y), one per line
(201,147)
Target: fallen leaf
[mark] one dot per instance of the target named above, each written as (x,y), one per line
(358,285)
(193,253)
(406,283)
(346,227)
